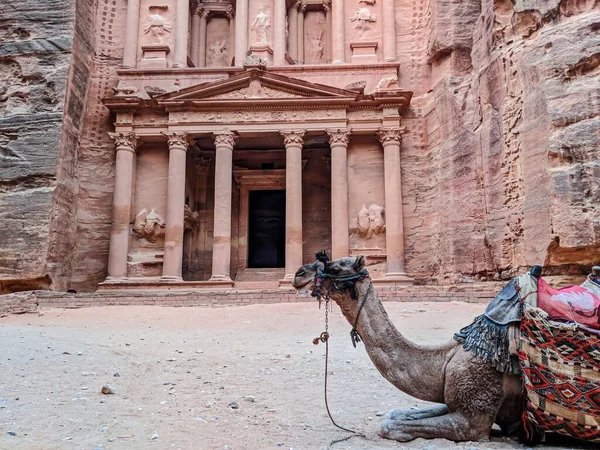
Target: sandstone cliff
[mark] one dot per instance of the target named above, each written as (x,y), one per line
(503,169)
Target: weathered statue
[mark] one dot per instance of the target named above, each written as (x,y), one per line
(362,20)
(370,221)
(217,53)
(149,225)
(315,41)
(261,26)
(157,25)
(471,394)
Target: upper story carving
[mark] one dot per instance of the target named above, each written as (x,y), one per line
(222,33)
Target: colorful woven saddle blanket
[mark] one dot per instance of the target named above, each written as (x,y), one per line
(560,366)
(494,336)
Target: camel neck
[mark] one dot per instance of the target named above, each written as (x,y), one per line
(403,363)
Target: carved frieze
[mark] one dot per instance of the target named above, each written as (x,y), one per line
(370,221)
(254,90)
(149,225)
(124,140)
(255,116)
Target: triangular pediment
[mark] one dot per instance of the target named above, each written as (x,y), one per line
(255,85)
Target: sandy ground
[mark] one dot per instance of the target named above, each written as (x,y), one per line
(176,372)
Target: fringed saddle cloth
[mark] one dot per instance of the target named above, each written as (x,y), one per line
(551,338)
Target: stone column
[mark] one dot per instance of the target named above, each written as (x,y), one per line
(241,32)
(181,33)
(231,49)
(293,32)
(293,201)
(195,35)
(178,145)
(202,35)
(391,139)
(301,8)
(126,144)
(389,31)
(279,32)
(337,25)
(338,141)
(224,142)
(330,37)
(131,34)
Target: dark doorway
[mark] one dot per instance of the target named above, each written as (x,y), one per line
(266,229)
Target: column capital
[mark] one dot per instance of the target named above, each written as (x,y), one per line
(301,5)
(225,139)
(327,6)
(126,140)
(202,12)
(230,13)
(391,135)
(338,137)
(293,138)
(177,140)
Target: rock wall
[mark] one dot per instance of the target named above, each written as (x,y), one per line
(35,56)
(505,173)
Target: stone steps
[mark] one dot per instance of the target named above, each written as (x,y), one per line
(259,275)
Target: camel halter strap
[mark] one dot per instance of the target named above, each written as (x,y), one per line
(349,283)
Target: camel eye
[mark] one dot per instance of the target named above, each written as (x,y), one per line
(300,272)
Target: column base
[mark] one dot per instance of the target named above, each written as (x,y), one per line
(221,279)
(170,279)
(338,61)
(398,277)
(286,283)
(115,280)
(390,60)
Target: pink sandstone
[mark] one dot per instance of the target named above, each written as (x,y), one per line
(450,141)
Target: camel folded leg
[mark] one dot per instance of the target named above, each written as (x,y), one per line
(452,426)
(413,414)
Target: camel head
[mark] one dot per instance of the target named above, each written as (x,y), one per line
(307,275)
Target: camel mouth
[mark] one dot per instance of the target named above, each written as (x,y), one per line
(302,287)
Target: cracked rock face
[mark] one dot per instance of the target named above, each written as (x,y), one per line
(513,122)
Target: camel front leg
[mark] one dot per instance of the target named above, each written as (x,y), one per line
(452,426)
(413,414)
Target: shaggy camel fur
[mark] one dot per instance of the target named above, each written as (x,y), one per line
(472,394)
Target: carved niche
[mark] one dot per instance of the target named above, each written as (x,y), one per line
(149,225)
(370,221)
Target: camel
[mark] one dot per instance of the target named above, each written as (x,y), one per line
(470,393)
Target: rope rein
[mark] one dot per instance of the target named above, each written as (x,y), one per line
(348,284)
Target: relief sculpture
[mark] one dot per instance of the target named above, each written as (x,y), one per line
(315,48)
(149,225)
(370,221)
(363,18)
(261,26)
(217,53)
(157,25)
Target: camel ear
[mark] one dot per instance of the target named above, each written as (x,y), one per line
(360,262)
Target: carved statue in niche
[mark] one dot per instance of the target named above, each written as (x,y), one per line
(261,26)
(363,18)
(315,46)
(217,53)
(370,221)
(157,25)
(149,225)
